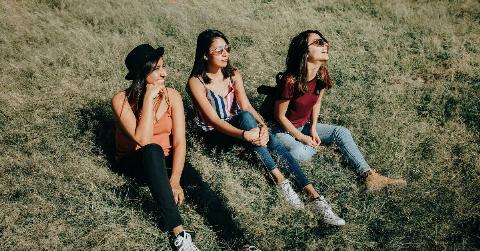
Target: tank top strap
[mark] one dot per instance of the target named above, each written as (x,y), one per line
(201,81)
(204,86)
(232,85)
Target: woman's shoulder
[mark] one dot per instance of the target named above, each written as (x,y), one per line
(174,95)
(194,80)
(119,97)
(236,74)
(236,77)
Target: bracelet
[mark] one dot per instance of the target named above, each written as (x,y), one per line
(243,135)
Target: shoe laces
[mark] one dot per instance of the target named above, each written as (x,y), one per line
(183,242)
(287,188)
(322,203)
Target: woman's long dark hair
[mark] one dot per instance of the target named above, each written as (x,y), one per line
(136,92)
(204,41)
(296,62)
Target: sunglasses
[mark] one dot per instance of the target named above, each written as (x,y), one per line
(319,42)
(219,49)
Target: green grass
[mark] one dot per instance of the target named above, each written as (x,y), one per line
(407,85)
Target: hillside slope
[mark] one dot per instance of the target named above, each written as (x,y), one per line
(407,86)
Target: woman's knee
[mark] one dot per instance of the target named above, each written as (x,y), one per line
(303,153)
(298,150)
(246,120)
(152,147)
(287,140)
(342,132)
(152,151)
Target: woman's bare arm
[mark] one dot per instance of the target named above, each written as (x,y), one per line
(198,93)
(142,132)
(316,109)
(179,144)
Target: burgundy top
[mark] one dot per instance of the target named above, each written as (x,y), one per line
(301,104)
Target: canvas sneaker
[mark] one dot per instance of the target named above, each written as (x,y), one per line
(183,242)
(321,206)
(290,195)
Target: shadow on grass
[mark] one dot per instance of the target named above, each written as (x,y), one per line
(97,121)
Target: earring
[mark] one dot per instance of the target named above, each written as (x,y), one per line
(205,57)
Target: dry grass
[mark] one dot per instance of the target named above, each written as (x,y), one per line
(408,87)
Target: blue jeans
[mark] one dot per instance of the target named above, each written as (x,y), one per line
(245,121)
(328,134)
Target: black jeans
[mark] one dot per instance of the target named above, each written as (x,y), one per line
(149,164)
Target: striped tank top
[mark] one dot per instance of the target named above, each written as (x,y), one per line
(225,107)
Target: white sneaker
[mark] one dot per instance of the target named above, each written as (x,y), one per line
(325,210)
(183,242)
(290,195)
(250,248)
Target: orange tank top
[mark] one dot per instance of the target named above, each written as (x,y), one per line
(162,135)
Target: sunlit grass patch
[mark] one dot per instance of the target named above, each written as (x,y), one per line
(407,87)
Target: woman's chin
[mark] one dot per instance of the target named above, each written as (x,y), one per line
(323,60)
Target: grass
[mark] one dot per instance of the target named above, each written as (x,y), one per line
(407,86)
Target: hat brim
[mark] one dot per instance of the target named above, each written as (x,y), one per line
(157,53)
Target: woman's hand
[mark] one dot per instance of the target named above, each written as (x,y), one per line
(153,90)
(308,140)
(256,136)
(251,135)
(177,190)
(264,134)
(315,137)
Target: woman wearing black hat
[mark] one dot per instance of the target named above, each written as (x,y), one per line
(151,146)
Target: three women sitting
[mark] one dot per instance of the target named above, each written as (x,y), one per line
(150,135)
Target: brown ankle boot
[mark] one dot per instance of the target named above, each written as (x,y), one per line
(376,181)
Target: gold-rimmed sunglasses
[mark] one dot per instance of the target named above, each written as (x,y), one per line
(219,49)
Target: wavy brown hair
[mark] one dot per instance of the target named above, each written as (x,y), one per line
(296,62)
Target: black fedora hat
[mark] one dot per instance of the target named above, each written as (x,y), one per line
(137,58)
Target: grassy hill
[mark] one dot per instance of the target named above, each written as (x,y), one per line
(407,86)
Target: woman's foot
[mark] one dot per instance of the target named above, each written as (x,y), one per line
(321,207)
(183,242)
(290,195)
(376,181)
